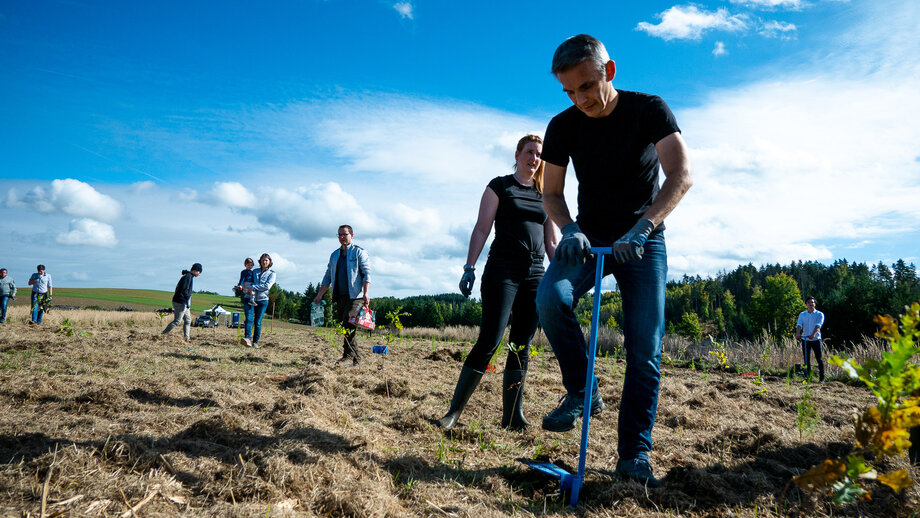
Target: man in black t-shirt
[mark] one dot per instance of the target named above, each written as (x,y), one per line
(616,140)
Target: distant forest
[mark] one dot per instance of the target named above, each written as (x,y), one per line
(741,304)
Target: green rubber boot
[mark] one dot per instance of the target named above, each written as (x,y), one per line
(513,399)
(469,380)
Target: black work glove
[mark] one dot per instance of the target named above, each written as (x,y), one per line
(466,282)
(574,247)
(630,246)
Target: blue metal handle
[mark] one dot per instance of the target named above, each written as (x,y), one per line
(599,253)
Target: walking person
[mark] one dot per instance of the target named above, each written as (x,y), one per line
(182,302)
(523,236)
(808,330)
(41,293)
(7,292)
(616,140)
(246,280)
(263,278)
(349,275)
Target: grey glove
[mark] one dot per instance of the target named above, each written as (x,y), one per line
(574,247)
(466,282)
(630,246)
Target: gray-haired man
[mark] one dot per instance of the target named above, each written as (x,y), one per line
(616,140)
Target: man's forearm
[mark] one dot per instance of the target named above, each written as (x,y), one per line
(672,191)
(557,209)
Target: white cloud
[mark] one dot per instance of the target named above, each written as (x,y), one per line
(89,232)
(280,264)
(305,213)
(139,187)
(188,194)
(232,194)
(719,49)
(689,22)
(775,29)
(404,136)
(793,5)
(783,168)
(70,197)
(404,9)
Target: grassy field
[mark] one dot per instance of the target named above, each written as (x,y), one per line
(106,415)
(139,300)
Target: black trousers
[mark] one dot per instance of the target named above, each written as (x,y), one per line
(509,287)
(345,308)
(807,347)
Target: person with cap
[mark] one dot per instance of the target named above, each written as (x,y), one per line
(182,301)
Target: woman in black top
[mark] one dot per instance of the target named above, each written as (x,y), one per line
(523,235)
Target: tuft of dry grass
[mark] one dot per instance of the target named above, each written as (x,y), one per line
(98,424)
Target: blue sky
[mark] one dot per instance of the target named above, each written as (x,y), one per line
(138,138)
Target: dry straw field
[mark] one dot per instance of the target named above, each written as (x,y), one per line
(104,417)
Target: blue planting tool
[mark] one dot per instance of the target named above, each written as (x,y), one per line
(379,349)
(568,481)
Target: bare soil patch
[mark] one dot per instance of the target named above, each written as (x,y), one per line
(93,423)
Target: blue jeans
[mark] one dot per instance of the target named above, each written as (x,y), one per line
(260,308)
(642,286)
(4,300)
(36,307)
(248,311)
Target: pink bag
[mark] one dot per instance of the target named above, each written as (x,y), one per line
(365,318)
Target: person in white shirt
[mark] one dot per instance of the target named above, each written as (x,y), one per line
(41,293)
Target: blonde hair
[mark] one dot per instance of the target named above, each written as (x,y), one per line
(538,174)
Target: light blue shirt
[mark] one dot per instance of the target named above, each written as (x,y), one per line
(42,282)
(7,286)
(358,265)
(808,321)
(263,282)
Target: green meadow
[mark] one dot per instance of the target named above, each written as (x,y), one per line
(139,300)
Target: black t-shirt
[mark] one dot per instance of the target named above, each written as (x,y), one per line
(519,219)
(614,158)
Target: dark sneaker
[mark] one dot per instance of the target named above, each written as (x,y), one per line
(637,469)
(563,417)
(346,361)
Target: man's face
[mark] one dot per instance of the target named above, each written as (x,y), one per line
(810,304)
(41,271)
(2,274)
(345,237)
(589,89)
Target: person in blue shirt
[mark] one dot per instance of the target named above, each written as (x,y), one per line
(263,278)
(41,293)
(182,301)
(349,275)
